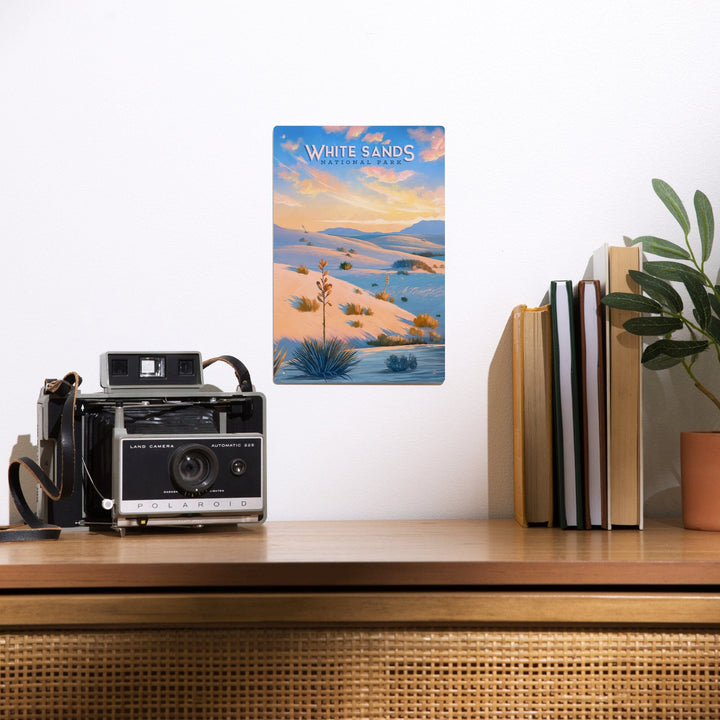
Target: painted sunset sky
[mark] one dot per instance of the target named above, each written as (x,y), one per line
(372,179)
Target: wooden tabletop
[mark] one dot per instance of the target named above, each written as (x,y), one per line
(383,554)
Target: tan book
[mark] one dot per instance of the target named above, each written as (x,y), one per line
(532,415)
(624,396)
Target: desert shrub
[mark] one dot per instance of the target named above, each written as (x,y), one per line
(332,359)
(425,320)
(305,304)
(401,363)
(416,332)
(412,264)
(353,309)
(384,340)
(340,249)
(302,270)
(384,296)
(356,324)
(345,265)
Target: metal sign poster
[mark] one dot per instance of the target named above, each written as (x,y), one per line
(359,254)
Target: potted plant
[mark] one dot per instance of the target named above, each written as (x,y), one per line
(682,333)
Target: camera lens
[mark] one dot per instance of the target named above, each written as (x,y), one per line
(193,469)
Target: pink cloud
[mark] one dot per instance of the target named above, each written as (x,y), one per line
(319,182)
(387,175)
(281,199)
(436,139)
(355,131)
(290,145)
(374,137)
(290,175)
(326,179)
(351,131)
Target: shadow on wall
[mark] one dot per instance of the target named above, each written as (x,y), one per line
(500,451)
(672,405)
(24,448)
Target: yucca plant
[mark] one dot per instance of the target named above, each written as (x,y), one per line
(325,288)
(327,360)
(278,359)
(664,311)
(330,358)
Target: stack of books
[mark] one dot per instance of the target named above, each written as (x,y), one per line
(577,403)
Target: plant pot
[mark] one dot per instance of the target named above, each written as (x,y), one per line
(700,480)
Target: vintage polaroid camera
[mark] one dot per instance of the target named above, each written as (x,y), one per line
(157,446)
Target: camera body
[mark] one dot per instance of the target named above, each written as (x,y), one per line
(157,446)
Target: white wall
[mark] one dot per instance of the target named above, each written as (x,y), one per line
(135,205)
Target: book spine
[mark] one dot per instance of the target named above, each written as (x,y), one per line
(518,416)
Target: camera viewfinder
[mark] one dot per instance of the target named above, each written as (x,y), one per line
(119,367)
(186,367)
(152,367)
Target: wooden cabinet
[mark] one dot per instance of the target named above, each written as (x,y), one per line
(398,619)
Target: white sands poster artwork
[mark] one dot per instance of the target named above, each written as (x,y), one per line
(359,254)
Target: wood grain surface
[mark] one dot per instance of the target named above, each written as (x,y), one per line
(384,554)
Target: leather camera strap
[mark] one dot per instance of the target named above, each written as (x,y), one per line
(33,527)
(241,372)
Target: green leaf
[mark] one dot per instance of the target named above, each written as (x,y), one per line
(658,290)
(706,222)
(663,248)
(714,303)
(673,203)
(700,300)
(714,329)
(652,325)
(631,301)
(669,270)
(673,349)
(661,362)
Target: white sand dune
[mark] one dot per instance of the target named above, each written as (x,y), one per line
(293,325)
(368,265)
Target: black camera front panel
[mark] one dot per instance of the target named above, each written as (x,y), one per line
(119,370)
(164,474)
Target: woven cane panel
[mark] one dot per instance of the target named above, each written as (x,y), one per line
(317,673)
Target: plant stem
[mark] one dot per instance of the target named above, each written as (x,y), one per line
(708,394)
(700,386)
(701,269)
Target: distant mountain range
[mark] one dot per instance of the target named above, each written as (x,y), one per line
(424,228)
